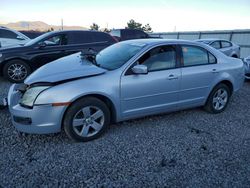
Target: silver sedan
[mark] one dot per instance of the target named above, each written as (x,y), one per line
(83,93)
(226,47)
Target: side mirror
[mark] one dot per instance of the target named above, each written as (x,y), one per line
(20,38)
(42,45)
(140,69)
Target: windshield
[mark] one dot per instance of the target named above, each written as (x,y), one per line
(117,55)
(37,39)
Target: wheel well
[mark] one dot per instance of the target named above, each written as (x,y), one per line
(229,85)
(20,59)
(104,99)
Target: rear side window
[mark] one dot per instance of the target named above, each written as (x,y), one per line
(7,34)
(193,56)
(80,37)
(128,34)
(225,44)
(139,34)
(101,37)
(216,45)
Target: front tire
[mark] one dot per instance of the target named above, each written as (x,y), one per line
(218,99)
(16,71)
(86,119)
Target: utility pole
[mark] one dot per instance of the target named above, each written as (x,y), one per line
(62,24)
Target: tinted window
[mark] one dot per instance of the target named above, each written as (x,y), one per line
(116,55)
(194,56)
(7,34)
(216,45)
(128,34)
(80,37)
(225,44)
(159,58)
(101,37)
(139,34)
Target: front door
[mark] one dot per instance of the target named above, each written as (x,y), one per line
(55,48)
(154,92)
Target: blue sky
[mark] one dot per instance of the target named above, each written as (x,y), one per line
(162,15)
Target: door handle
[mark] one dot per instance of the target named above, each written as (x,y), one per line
(215,71)
(172,77)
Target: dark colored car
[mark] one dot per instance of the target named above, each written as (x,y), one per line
(18,62)
(128,34)
(32,34)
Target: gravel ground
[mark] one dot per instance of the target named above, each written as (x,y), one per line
(183,149)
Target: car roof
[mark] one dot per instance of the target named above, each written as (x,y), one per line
(127,29)
(74,31)
(159,41)
(211,39)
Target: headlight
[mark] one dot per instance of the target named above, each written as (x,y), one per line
(31,94)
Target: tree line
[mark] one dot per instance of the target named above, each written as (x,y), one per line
(131,24)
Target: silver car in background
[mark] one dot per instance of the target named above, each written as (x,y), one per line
(83,93)
(247,67)
(10,37)
(226,47)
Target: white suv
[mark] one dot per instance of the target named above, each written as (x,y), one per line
(9,37)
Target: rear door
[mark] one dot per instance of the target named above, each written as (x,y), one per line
(101,40)
(85,39)
(199,69)
(155,92)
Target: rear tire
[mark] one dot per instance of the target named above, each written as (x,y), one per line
(16,71)
(86,119)
(218,99)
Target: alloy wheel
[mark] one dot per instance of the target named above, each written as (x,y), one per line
(17,72)
(88,121)
(220,99)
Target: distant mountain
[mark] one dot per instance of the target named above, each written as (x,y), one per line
(38,26)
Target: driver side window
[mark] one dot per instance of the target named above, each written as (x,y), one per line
(159,58)
(56,40)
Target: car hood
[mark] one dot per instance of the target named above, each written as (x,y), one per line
(13,48)
(67,68)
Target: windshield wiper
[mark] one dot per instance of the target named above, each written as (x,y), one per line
(89,55)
